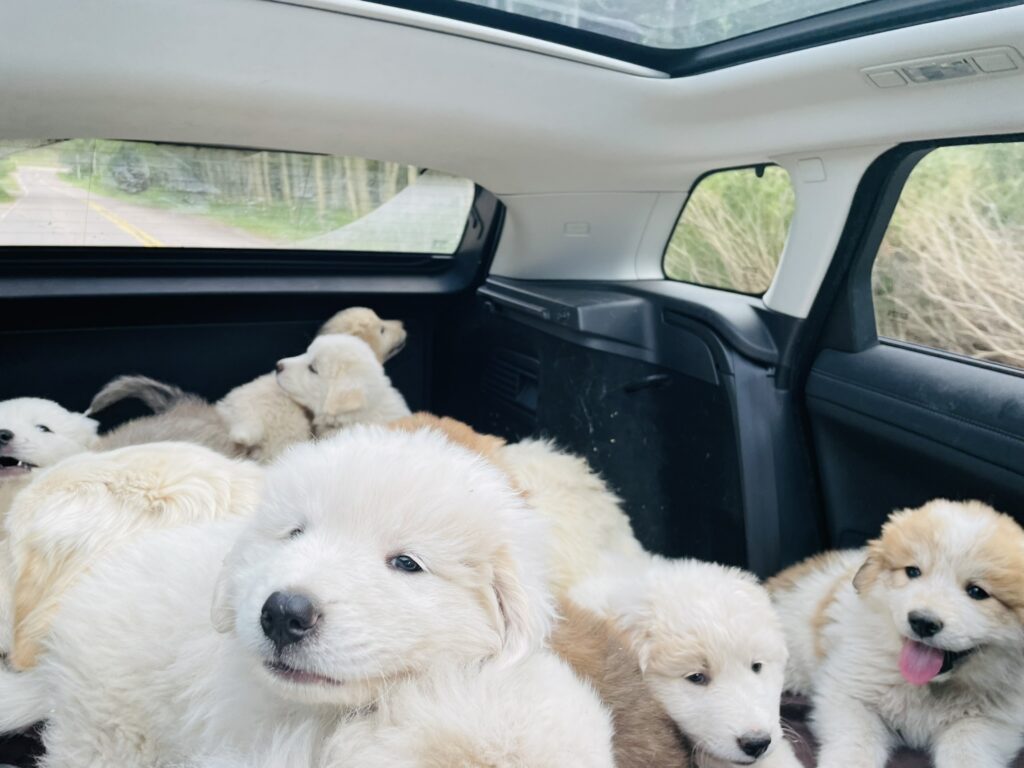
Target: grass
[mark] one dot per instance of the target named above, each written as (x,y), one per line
(8,187)
(275,221)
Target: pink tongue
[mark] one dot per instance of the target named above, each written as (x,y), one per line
(920,663)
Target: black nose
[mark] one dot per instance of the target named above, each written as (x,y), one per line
(6,436)
(923,624)
(754,744)
(287,617)
(280,367)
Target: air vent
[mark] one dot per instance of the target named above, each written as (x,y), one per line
(511,378)
(988,62)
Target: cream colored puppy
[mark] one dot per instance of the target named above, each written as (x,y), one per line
(918,639)
(375,558)
(711,650)
(263,420)
(74,513)
(340,381)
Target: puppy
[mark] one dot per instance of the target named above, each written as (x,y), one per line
(341,382)
(385,337)
(34,434)
(375,557)
(88,504)
(585,517)
(710,648)
(644,734)
(917,639)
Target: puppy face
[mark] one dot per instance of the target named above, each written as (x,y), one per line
(385,337)
(335,376)
(38,433)
(377,556)
(715,661)
(950,576)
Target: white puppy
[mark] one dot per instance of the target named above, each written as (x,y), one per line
(36,433)
(85,506)
(341,382)
(263,420)
(711,649)
(375,557)
(917,639)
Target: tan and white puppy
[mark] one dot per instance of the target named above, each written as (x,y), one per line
(711,650)
(263,420)
(375,557)
(340,381)
(74,513)
(918,639)
(34,434)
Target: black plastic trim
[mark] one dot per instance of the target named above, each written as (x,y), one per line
(866,18)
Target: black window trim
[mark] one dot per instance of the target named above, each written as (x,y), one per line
(867,18)
(675,227)
(843,316)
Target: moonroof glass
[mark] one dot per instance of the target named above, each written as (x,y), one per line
(668,23)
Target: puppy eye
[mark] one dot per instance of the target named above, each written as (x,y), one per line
(756,666)
(43,428)
(912,571)
(382,331)
(977,593)
(698,678)
(294,533)
(404,563)
(312,368)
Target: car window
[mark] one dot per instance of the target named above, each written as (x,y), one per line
(90,192)
(733,229)
(950,271)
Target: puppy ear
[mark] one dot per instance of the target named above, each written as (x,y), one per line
(525,609)
(628,609)
(222,610)
(343,397)
(38,585)
(867,574)
(90,429)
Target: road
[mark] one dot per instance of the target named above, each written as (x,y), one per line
(50,211)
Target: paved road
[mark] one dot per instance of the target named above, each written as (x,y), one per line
(49,211)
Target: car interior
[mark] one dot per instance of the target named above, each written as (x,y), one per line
(750,415)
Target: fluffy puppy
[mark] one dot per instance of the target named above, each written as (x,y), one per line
(37,433)
(374,557)
(585,517)
(341,382)
(918,639)
(263,419)
(644,734)
(711,650)
(87,505)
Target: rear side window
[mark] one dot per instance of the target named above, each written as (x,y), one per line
(88,192)
(950,270)
(732,230)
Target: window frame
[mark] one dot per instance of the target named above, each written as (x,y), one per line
(868,18)
(689,196)
(851,325)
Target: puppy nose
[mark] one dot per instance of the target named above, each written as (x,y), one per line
(287,617)
(280,366)
(6,436)
(923,624)
(754,744)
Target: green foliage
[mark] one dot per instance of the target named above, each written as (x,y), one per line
(7,186)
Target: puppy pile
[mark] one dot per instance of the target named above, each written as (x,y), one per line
(304,574)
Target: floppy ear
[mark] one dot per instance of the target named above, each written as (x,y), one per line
(626,606)
(868,573)
(525,609)
(222,610)
(343,397)
(39,584)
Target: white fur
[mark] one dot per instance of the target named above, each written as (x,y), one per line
(863,708)
(585,517)
(685,617)
(44,433)
(262,419)
(341,382)
(133,646)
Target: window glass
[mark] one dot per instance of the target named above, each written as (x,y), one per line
(950,270)
(732,230)
(125,193)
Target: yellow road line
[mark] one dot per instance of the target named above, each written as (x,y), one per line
(143,237)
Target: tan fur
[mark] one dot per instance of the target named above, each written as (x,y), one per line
(644,735)
(795,574)
(488,446)
(385,337)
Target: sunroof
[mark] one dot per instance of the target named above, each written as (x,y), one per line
(668,23)
(687,37)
